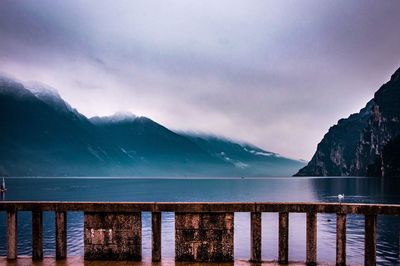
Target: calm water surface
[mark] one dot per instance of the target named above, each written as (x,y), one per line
(367,190)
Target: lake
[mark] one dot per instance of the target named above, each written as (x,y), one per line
(287,189)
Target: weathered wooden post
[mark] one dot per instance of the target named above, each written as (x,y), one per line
(37,235)
(341,239)
(11,234)
(255,231)
(156,236)
(370,240)
(61,235)
(283,238)
(311,239)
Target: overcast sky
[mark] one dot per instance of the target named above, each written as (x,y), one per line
(277,74)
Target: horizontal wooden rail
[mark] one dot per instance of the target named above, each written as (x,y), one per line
(279,207)
(212,221)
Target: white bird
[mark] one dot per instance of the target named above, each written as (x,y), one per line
(340,196)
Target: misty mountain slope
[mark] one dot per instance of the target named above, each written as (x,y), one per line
(250,159)
(158,147)
(141,135)
(52,98)
(355,145)
(35,139)
(42,135)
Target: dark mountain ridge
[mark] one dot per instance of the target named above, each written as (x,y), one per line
(363,144)
(42,135)
(38,139)
(244,155)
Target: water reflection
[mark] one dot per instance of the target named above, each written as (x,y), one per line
(364,190)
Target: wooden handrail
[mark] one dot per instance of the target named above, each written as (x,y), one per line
(279,207)
(370,211)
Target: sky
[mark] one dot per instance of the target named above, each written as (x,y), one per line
(276,74)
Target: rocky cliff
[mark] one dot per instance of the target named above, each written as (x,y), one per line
(390,163)
(363,144)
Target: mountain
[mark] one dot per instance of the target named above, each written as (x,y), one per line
(38,139)
(42,135)
(391,158)
(153,146)
(335,153)
(366,143)
(247,157)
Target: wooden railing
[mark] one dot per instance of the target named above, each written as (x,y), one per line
(370,211)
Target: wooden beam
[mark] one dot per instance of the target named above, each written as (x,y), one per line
(156,236)
(61,235)
(37,235)
(206,207)
(255,228)
(11,235)
(283,257)
(370,240)
(340,239)
(311,239)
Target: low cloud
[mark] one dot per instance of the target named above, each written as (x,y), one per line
(275,73)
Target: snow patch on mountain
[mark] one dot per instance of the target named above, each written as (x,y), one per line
(261,152)
(124,116)
(12,86)
(128,153)
(50,96)
(237,164)
(240,165)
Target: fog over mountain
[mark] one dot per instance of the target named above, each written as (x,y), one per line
(269,72)
(42,135)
